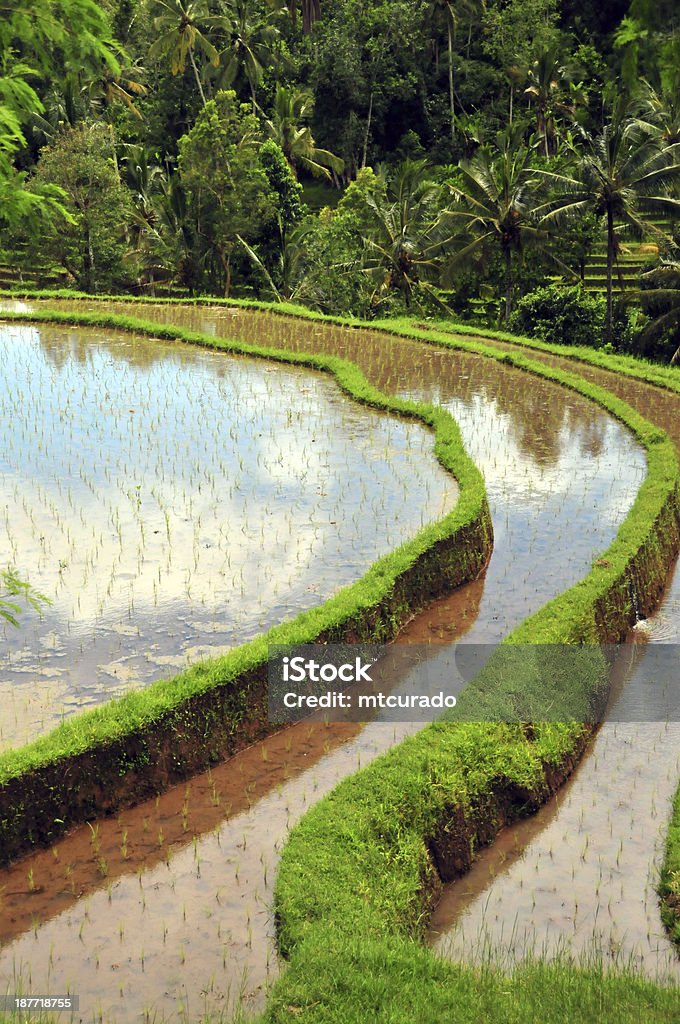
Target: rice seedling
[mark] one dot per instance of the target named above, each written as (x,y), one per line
(94,838)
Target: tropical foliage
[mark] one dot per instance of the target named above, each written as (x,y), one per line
(356,156)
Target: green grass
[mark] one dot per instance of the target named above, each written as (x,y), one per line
(669,887)
(667,377)
(394,981)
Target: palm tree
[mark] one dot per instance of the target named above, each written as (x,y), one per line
(252,34)
(292,107)
(182,27)
(663,295)
(661,109)
(144,179)
(546,78)
(495,202)
(403,248)
(289,278)
(450,11)
(116,85)
(623,174)
(111,87)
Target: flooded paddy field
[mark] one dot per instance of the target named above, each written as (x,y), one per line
(559,472)
(580,876)
(173,502)
(179,918)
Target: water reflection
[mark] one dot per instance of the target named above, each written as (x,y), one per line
(173,502)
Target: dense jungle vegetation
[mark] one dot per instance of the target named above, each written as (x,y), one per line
(514,161)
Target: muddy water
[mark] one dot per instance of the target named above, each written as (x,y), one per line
(197,929)
(180,923)
(173,503)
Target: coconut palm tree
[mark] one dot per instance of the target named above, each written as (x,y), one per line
(547,80)
(289,277)
(286,126)
(183,27)
(116,85)
(494,203)
(404,246)
(622,175)
(251,35)
(660,296)
(661,110)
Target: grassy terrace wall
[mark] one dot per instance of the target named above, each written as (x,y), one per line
(667,377)
(669,889)
(133,747)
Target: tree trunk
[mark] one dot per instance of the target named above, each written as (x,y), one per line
(113,151)
(508,285)
(609,332)
(90,262)
(368,129)
(197,77)
(542,127)
(226,264)
(453,115)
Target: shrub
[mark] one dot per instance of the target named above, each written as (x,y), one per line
(562,315)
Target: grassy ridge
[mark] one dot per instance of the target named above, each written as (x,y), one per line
(362,869)
(667,377)
(346,979)
(669,887)
(147,738)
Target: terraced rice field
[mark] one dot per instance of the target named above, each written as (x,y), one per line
(168,908)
